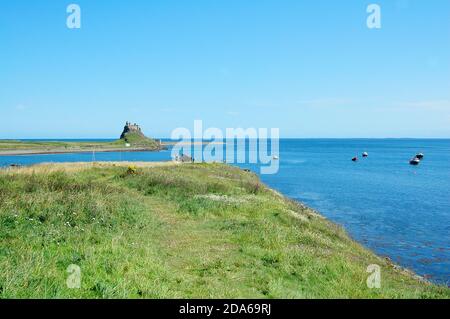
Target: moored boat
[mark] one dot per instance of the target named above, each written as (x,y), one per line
(414,161)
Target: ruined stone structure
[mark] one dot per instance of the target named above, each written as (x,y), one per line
(131,128)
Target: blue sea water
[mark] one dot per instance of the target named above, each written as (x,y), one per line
(395,209)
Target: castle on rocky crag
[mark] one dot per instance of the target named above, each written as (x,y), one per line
(131,128)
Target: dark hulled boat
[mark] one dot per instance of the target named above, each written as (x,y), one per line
(414,161)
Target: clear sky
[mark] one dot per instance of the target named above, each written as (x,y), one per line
(309,67)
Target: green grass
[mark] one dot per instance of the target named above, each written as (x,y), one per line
(14,144)
(194,230)
(137,140)
(134,140)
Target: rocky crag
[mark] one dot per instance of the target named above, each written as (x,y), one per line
(131,128)
(133,137)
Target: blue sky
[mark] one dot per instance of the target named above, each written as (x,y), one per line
(311,68)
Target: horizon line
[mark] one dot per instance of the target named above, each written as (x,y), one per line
(281,138)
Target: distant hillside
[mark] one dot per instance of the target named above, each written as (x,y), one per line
(132,135)
(131,139)
(136,140)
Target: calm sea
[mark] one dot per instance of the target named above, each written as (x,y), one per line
(393,208)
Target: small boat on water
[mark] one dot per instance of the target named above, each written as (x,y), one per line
(275,157)
(414,161)
(420,156)
(355,159)
(365,154)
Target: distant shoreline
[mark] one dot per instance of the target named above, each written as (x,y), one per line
(48,151)
(74,151)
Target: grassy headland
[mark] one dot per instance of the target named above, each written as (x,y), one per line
(173,231)
(132,142)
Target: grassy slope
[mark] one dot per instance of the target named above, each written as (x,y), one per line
(134,139)
(194,230)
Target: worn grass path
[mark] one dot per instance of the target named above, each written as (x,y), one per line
(165,230)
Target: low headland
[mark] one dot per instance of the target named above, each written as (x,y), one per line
(176,230)
(131,140)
